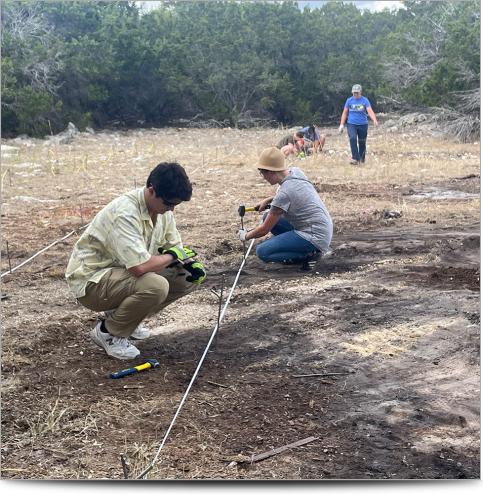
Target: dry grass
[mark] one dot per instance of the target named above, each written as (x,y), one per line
(391,158)
(48,422)
(72,182)
(392,341)
(138,457)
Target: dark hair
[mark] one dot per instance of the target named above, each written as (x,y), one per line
(170,181)
(299,134)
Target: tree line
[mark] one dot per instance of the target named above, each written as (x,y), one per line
(105,63)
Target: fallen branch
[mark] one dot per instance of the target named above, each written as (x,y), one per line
(277,451)
(322,375)
(217,384)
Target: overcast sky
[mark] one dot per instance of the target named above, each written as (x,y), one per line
(374,5)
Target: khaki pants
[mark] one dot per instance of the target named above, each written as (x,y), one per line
(132,299)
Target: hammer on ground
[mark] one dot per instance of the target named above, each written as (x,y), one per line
(149,364)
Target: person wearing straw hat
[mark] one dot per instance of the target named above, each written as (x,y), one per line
(356,110)
(299,221)
(130,261)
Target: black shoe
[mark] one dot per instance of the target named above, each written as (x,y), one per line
(309,261)
(312,257)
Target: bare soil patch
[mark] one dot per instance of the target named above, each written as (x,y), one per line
(391,318)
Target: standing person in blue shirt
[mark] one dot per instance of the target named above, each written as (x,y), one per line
(358,107)
(316,139)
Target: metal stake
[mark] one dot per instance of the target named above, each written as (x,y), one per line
(220,303)
(244,242)
(8,257)
(200,363)
(221,299)
(125,468)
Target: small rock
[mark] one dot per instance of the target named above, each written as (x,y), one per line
(391,214)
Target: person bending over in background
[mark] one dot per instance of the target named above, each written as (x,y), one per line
(291,144)
(314,140)
(130,262)
(357,107)
(298,219)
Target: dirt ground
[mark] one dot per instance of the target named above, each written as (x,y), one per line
(390,318)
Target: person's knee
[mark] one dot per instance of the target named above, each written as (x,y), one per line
(153,286)
(262,253)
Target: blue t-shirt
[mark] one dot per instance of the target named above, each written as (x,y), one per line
(357,110)
(314,137)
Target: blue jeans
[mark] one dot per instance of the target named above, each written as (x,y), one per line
(357,133)
(285,245)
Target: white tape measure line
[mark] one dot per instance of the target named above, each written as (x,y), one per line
(41,251)
(155,459)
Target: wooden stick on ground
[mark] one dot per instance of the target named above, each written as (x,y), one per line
(276,451)
(322,375)
(218,384)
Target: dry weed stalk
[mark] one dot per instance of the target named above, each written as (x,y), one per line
(7,170)
(138,456)
(46,424)
(89,424)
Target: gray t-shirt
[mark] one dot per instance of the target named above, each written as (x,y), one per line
(304,209)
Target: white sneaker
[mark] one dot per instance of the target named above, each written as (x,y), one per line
(115,346)
(140,333)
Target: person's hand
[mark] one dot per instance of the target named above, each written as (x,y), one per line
(242,233)
(376,123)
(341,128)
(197,272)
(178,254)
(263,205)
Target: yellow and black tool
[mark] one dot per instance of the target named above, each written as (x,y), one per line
(242,209)
(149,364)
